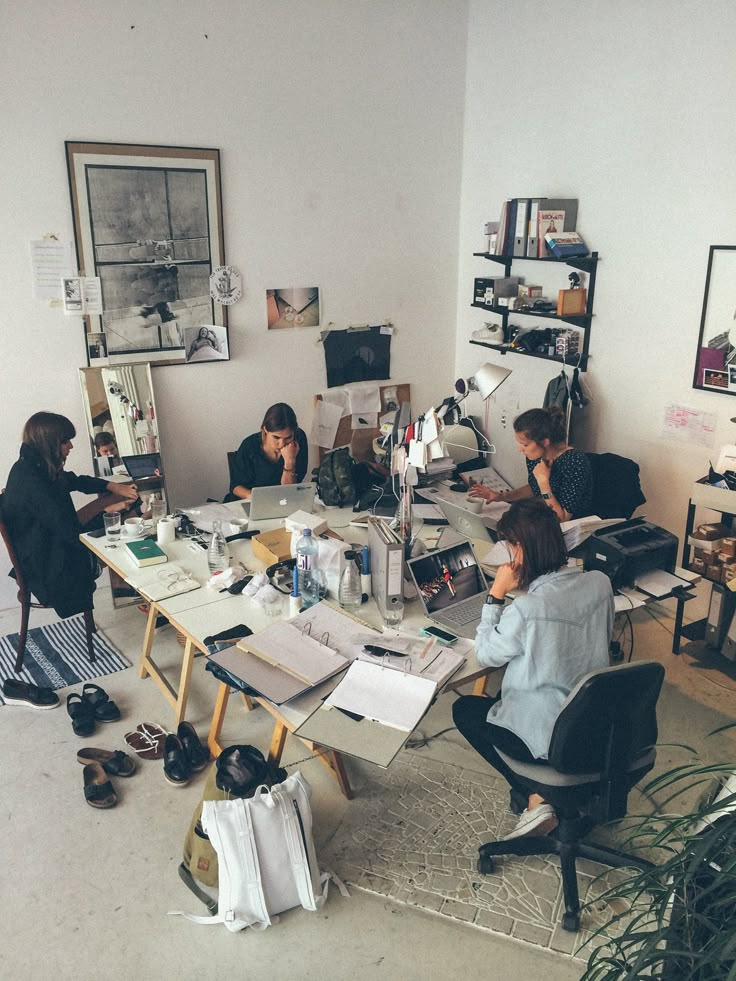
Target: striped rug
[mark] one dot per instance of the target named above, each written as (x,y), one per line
(56,656)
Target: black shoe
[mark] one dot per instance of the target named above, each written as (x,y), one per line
(197,754)
(177,769)
(19,693)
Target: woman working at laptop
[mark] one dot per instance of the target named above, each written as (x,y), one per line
(43,524)
(551,635)
(277,454)
(556,472)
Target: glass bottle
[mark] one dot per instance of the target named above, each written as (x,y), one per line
(217,551)
(349,593)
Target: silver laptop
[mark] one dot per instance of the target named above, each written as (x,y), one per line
(280,501)
(451,586)
(465,522)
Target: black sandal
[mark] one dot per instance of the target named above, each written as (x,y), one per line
(104,709)
(197,754)
(98,791)
(115,764)
(81,714)
(177,769)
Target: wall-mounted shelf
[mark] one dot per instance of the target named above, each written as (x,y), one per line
(587,264)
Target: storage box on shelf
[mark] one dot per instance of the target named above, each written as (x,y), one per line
(587,264)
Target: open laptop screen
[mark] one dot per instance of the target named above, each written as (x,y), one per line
(447,576)
(143,465)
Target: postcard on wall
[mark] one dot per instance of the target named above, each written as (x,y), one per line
(207,343)
(72,293)
(292,307)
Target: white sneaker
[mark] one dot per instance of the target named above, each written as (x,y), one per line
(486,334)
(534,823)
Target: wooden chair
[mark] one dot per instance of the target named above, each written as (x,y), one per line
(26,602)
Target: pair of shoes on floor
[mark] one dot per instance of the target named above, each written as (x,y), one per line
(161,620)
(22,693)
(92,706)
(99,766)
(147,739)
(534,823)
(184,755)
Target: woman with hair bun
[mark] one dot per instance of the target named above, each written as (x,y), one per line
(557,473)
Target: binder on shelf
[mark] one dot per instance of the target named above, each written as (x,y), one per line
(720,614)
(532,242)
(387,564)
(508,245)
(522,224)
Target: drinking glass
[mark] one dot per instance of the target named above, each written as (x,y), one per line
(393,615)
(158,511)
(112,528)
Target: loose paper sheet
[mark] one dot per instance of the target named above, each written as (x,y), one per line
(51,262)
(326,419)
(365,398)
(338,396)
(688,425)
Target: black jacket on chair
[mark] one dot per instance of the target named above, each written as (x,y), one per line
(45,529)
(616,489)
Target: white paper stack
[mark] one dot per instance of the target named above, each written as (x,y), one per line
(389,697)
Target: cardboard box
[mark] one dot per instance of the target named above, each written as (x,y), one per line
(705,545)
(272,546)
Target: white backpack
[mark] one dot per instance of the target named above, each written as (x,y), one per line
(265,854)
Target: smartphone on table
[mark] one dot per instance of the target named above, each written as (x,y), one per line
(443,636)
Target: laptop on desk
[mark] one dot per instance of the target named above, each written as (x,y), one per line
(279,501)
(451,587)
(468,523)
(143,465)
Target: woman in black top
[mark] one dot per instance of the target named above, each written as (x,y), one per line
(43,524)
(277,454)
(557,473)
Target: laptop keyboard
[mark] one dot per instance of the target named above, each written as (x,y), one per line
(464,612)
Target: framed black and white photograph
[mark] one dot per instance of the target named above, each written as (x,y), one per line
(148,223)
(716,346)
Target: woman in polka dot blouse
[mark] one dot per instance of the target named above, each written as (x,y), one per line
(557,473)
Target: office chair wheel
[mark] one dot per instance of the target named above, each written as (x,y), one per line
(571,922)
(486,865)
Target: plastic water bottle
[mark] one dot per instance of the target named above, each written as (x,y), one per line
(349,593)
(218,558)
(307,551)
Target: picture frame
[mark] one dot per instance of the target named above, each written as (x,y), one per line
(716,347)
(148,224)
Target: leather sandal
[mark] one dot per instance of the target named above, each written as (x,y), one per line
(176,765)
(144,745)
(105,710)
(115,764)
(197,754)
(81,714)
(98,791)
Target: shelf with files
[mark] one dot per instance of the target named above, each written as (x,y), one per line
(587,264)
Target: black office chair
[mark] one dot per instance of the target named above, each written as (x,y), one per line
(602,744)
(617,491)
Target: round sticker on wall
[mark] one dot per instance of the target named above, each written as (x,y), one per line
(225,285)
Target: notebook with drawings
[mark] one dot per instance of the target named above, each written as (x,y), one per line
(451,586)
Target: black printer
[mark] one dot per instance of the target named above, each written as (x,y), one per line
(629,549)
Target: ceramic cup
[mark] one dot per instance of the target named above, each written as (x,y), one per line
(133,527)
(474,504)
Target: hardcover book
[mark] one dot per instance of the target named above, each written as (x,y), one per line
(550,222)
(146,552)
(566,244)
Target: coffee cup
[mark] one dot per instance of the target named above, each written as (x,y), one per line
(133,527)
(474,504)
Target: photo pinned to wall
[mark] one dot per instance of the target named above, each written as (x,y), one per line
(294,307)
(97,349)
(357,354)
(208,343)
(148,223)
(717,340)
(72,290)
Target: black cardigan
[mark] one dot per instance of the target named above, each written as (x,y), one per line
(45,529)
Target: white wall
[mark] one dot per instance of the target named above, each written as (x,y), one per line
(629,107)
(340,128)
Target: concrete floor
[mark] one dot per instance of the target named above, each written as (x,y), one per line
(87,892)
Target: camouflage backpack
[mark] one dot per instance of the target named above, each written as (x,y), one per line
(335,478)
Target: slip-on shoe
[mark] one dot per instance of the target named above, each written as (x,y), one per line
(21,693)
(177,769)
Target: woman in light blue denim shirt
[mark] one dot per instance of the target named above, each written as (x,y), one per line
(550,636)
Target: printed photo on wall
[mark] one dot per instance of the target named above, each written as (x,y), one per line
(717,340)
(206,343)
(357,355)
(294,307)
(97,348)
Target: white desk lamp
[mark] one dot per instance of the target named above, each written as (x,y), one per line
(462,439)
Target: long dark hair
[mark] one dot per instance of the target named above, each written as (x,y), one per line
(540,424)
(280,416)
(534,526)
(45,432)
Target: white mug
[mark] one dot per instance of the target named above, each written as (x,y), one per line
(133,526)
(474,504)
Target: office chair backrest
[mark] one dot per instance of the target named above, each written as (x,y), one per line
(616,489)
(608,720)
(230,459)
(8,542)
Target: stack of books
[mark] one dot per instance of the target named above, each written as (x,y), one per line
(524,223)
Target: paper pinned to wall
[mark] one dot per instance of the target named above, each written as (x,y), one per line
(365,420)
(51,262)
(338,396)
(688,425)
(364,398)
(326,419)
